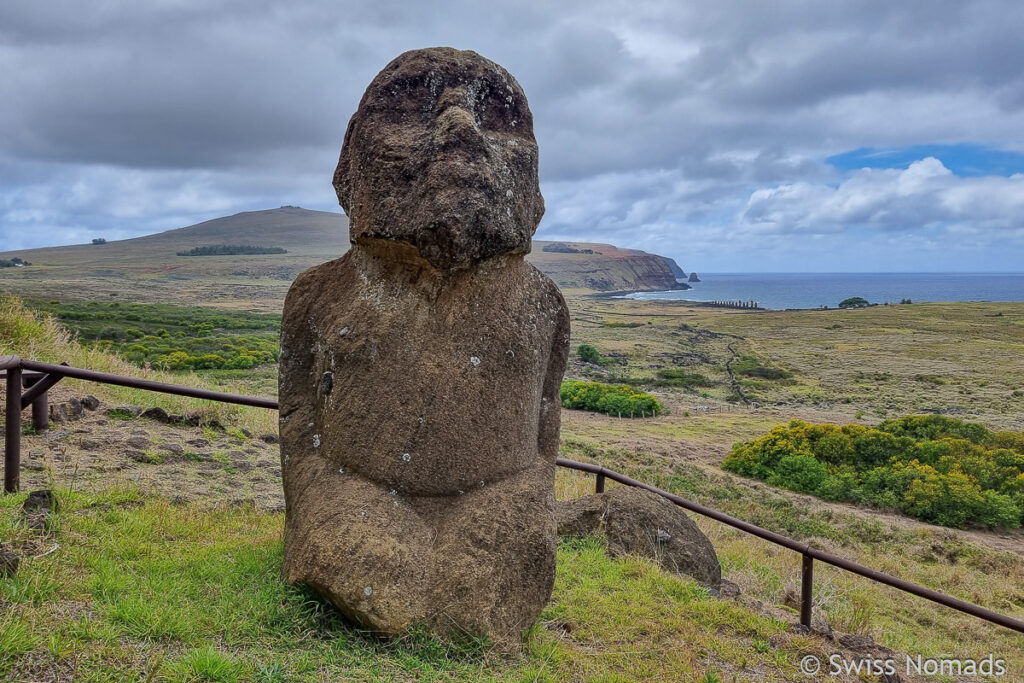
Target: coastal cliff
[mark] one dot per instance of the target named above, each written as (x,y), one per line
(607,269)
(149,268)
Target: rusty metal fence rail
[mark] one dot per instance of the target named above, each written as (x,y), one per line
(37,378)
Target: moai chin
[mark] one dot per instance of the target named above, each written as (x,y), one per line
(420,372)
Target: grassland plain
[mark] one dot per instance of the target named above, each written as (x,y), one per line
(682,451)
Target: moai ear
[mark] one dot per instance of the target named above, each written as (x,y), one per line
(343,172)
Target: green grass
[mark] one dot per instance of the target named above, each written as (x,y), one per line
(39,336)
(950,358)
(141,589)
(931,557)
(171,337)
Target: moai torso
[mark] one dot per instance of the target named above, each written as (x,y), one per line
(425,388)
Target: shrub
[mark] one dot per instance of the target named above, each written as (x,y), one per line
(803,473)
(613,399)
(999,511)
(931,467)
(854,302)
(231,250)
(676,377)
(751,367)
(588,353)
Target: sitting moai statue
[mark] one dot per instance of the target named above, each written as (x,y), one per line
(420,372)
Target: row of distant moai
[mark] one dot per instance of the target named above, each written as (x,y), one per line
(732,304)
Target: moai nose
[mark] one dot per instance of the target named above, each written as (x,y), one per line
(456,126)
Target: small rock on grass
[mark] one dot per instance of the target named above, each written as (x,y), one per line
(729,589)
(638,521)
(124,412)
(139,456)
(156,413)
(856,642)
(8,563)
(42,499)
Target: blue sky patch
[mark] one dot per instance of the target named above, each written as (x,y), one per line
(964,160)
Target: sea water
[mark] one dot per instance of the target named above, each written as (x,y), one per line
(814,290)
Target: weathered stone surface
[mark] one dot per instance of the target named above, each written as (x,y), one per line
(72,409)
(137,441)
(43,499)
(124,412)
(9,562)
(639,522)
(441,156)
(420,372)
(156,413)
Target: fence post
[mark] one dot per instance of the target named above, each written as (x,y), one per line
(40,405)
(806,590)
(12,432)
(599,487)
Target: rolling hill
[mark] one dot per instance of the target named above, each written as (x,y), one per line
(148,269)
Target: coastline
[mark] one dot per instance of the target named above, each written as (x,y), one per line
(824,291)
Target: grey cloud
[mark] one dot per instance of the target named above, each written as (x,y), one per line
(659,122)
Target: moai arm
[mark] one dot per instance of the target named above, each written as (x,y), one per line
(551,403)
(296,380)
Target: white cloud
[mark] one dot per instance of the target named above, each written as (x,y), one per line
(924,195)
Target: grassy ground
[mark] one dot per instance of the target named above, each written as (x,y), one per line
(877,358)
(133,588)
(961,359)
(41,338)
(953,562)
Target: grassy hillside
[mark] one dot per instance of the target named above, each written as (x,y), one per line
(609,621)
(149,268)
(165,568)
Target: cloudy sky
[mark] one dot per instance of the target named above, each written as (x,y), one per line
(733,136)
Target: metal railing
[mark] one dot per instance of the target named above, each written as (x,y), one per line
(40,377)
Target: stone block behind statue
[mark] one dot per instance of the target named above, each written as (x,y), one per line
(420,372)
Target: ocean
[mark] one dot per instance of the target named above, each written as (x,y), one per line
(813,290)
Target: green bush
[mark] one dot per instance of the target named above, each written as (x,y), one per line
(231,250)
(677,377)
(937,469)
(173,337)
(588,354)
(803,473)
(613,399)
(749,366)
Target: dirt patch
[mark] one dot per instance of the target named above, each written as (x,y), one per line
(184,462)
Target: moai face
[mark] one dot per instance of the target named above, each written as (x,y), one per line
(441,156)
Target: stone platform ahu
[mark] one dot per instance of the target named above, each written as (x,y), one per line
(420,372)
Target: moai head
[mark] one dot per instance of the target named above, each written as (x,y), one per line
(441,156)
